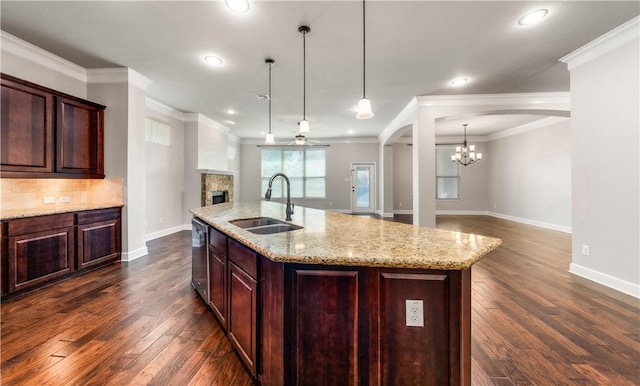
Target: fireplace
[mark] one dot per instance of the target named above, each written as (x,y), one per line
(219,197)
(216,189)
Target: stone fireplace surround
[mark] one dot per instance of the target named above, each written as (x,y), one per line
(216,182)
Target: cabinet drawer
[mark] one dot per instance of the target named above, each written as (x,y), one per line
(40,224)
(98,215)
(218,240)
(243,257)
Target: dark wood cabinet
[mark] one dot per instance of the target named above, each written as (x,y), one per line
(243,302)
(27,129)
(98,237)
(40,249)
(79,137)
(218,275)
(242,327)
(218,285)
(49,134)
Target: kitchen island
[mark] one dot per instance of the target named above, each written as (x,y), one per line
(344,299)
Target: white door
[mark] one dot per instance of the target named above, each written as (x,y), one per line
(363,188)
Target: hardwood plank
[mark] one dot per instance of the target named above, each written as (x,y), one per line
(533,323)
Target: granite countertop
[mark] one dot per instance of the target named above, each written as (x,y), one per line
(338,239)
(35,212)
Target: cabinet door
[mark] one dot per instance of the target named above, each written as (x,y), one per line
(79,138)
(37,257)
(27,129)
(98,243)
(218,285)
(242,315)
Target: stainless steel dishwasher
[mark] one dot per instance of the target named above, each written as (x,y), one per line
(199,260)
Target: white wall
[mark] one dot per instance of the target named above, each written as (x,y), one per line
(605,89)
(529,176)
(165,177)
(339,159)
(402,178)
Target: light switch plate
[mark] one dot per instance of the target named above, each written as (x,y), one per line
(49,200)
(415,313)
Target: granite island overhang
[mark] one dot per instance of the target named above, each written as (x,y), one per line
(344,299)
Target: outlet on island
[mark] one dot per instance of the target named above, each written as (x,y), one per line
(415,313)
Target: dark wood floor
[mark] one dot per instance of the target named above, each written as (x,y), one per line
(141,323)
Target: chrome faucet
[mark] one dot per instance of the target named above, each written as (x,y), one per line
(267,195)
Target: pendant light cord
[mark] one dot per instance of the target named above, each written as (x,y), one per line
(270,64)
(304,76)
(364,52)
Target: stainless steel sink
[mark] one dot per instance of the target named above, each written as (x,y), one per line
(264,225)
(255,222)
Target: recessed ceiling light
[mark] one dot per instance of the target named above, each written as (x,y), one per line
(457,82)
(230,122)
(262,97)
(240,6)
(351,132)
(533,17)
(213,61)
(231,111)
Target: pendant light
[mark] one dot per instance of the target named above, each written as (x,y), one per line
(269,140)
(466,154)
(364,105)
(304,124)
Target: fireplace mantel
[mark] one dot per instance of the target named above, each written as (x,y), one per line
(211,171)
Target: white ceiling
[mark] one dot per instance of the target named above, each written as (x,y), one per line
(413,48)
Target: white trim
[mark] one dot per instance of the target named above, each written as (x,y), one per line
(118,75)
(399,121)
(463,212)
(35,54)
(168,231)
(527,221)
(613,282)
(532,98)
(212,171)
(526,127)
(163,109)
(603,44)
(130,256)
(345,211)
(199,118)
(380,213)
(404,211)
(329,140)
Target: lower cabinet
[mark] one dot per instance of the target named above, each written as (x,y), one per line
(243,298)
(218,285)
(98,237)
(38,250)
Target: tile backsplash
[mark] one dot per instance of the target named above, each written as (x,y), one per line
(32,193)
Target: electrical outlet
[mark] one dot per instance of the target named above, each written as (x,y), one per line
(64,199)
(49,200)
(160,220)
(586,250)
(415,313)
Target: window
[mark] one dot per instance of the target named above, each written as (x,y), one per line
(447,174)
(306,169)
(157,132)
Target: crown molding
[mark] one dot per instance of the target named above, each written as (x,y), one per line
(35,54)
(526,127)
(533,98)
(324,141)
(399,121)
(163,109)
(118,75)
(199,118)
(603,44)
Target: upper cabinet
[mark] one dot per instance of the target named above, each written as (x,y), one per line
(46,133)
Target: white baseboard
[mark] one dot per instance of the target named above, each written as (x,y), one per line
(606,280)
(527,221)
(403,211)
(347,211)
(166,232)
(130,256)
(463,212)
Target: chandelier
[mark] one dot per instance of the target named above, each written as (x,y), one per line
(466,154)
